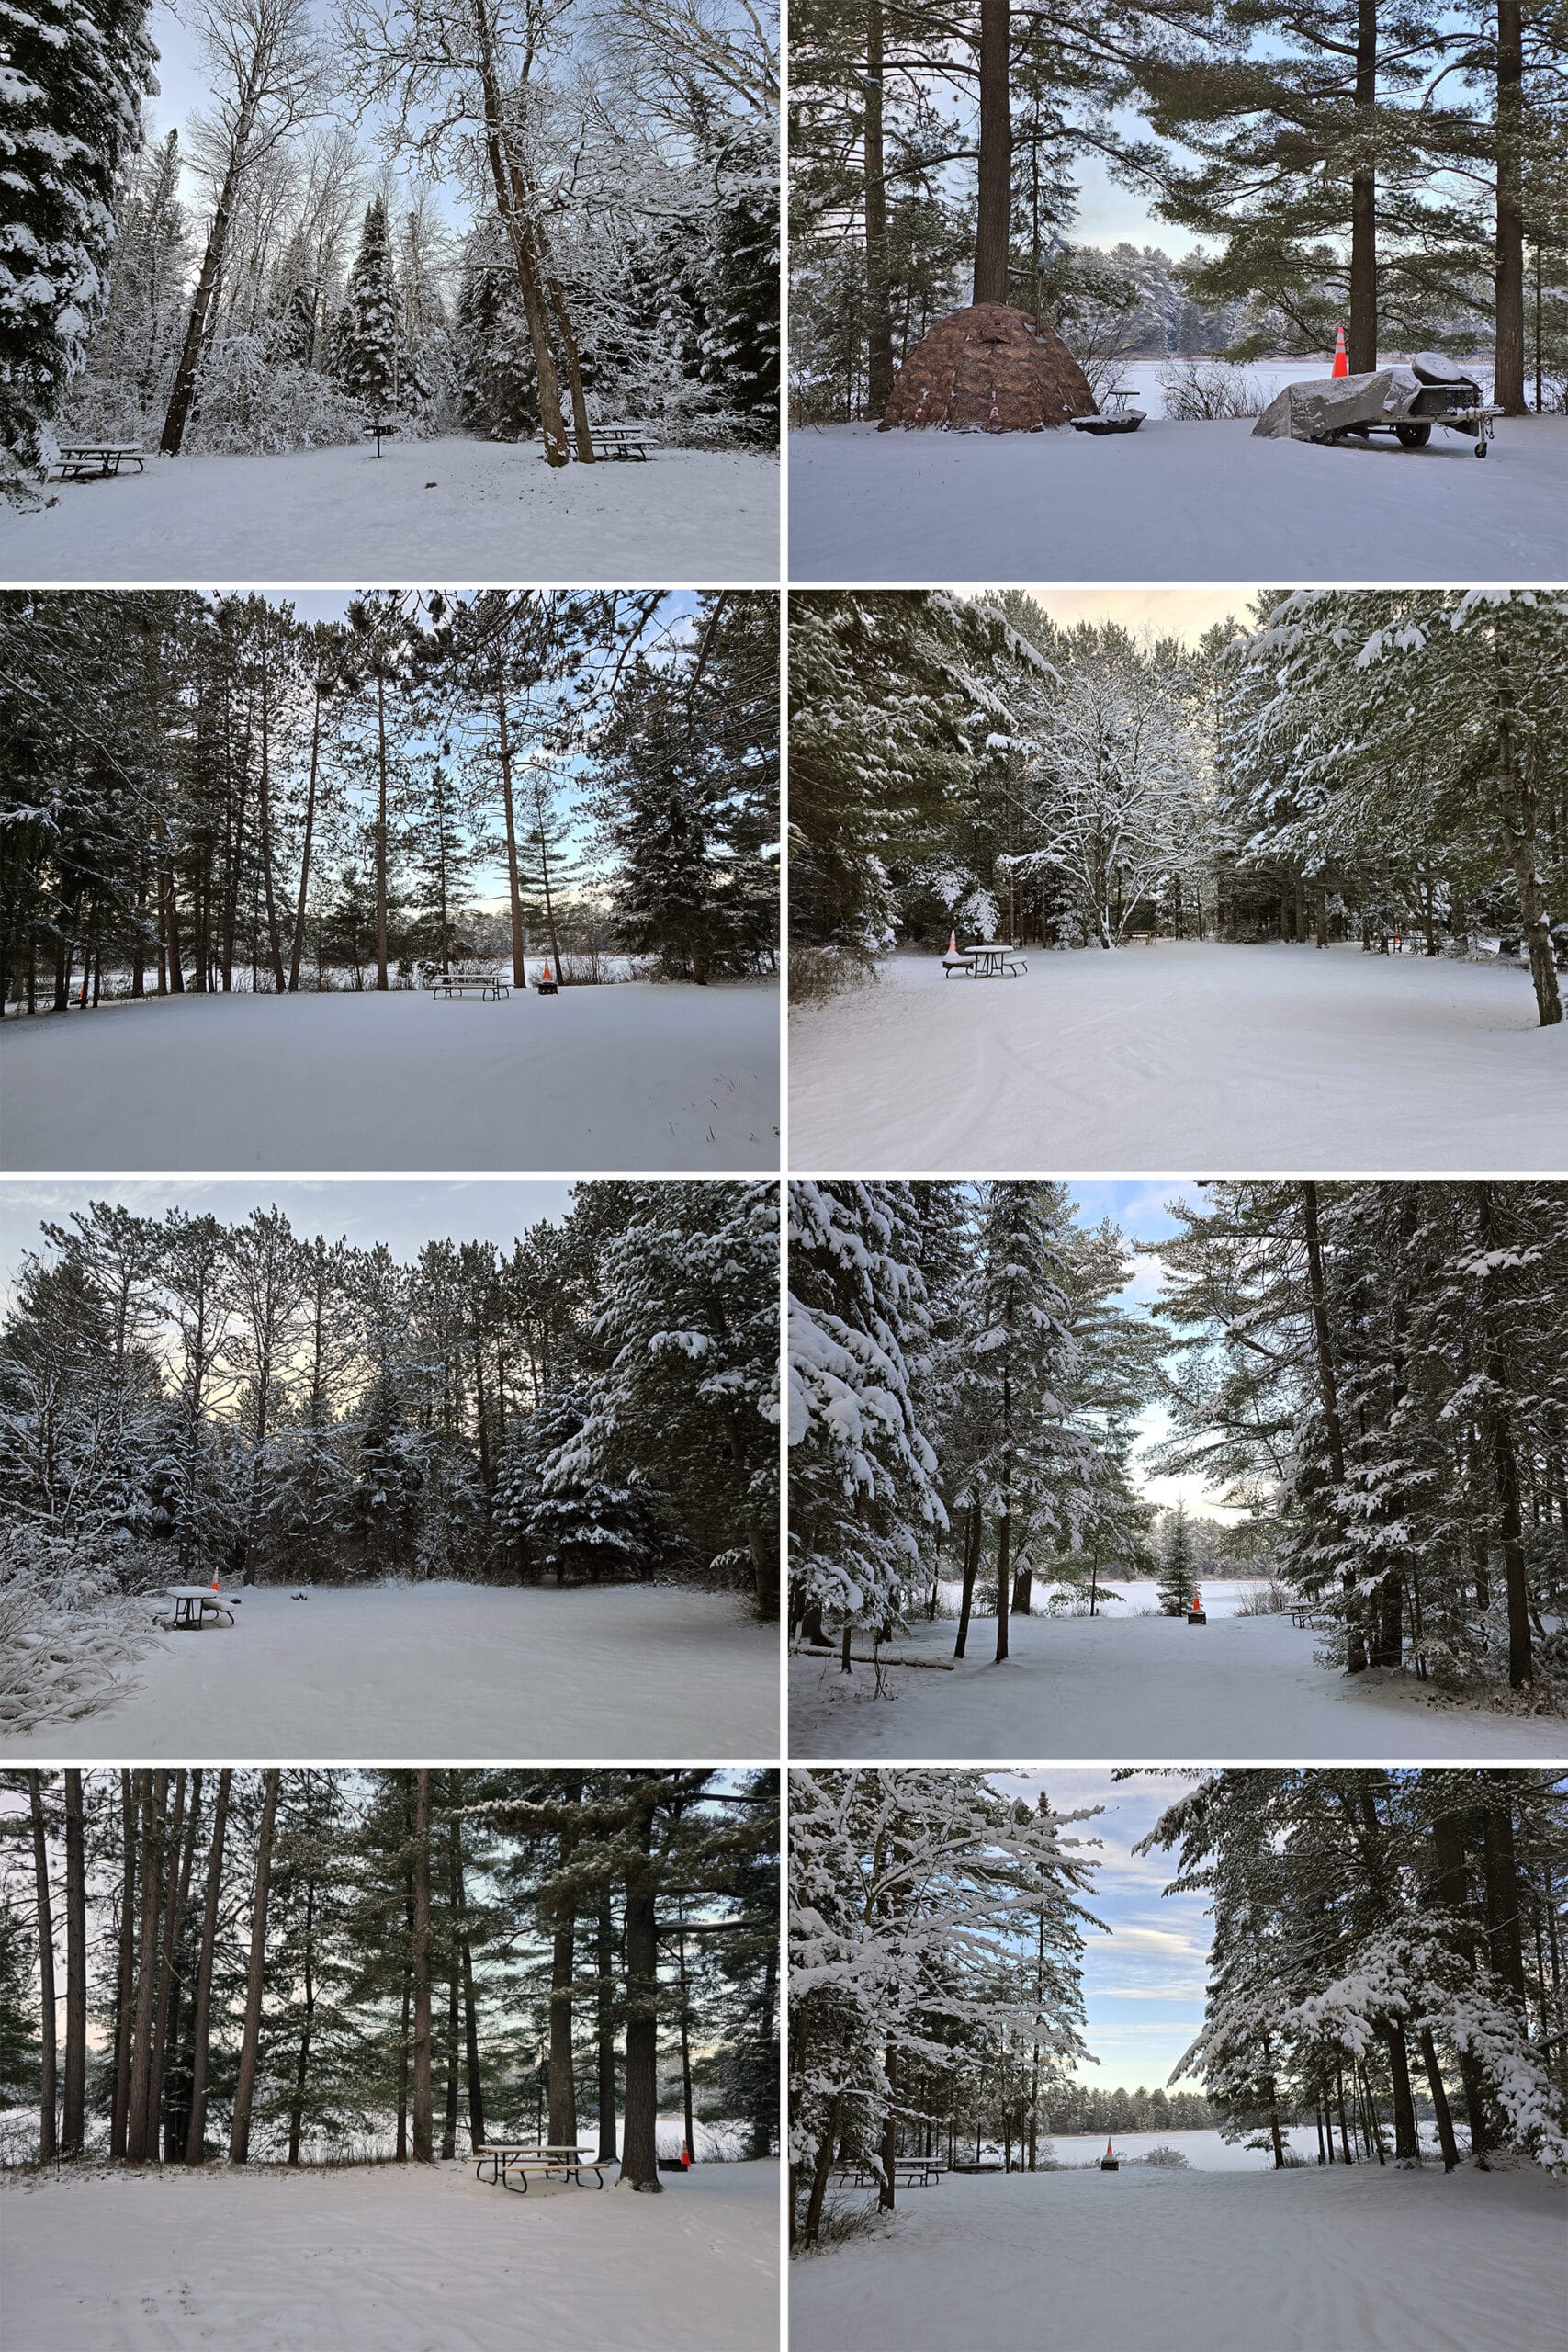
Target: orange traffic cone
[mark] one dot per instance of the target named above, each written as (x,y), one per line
(214,1580)
(686,2157)
(952,942)
(1108,2148)
(1341,358)
(1195,1614)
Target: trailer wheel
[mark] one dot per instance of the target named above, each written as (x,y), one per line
(1481,449)
(1412,437)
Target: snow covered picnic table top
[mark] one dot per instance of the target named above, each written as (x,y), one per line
(424,510)
(1251,1059)
(1175,502)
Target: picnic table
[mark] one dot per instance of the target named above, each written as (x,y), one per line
(628,441)
(1301,1614)
(194,1603)
(484,985)
(511,2161)
(79,459)
(988,959)
(908,2172)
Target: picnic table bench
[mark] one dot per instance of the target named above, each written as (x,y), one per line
(1301,1614)
(511,2161)
(991,960)
(79,459)
(629,441)
(194,1603)
(908,2172)
(484,985)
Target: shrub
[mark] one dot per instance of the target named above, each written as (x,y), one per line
(1205,390)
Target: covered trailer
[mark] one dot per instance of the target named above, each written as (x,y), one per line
(1404,399)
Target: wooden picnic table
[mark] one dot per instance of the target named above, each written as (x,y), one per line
(628,441)
(1301,1614)
(508,2159)
(484,985)
(194,1603)
(79,459)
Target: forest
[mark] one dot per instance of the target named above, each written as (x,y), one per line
(1370,1373)
(494,218)
(1383,767)
(205,793)
(1376,1934)
(1398,170)
(1383,1996)
(301,1967)
(183,1398)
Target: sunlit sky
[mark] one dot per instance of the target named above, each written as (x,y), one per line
(1143,1982)
(1183,612)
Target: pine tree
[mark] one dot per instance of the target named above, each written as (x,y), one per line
(77,73)
(368,353)
(1178,1564)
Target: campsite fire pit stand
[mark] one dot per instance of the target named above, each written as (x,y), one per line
(378,429)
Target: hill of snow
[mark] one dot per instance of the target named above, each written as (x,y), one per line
(1236,1691)
(595,1080)
(1330,2260)
(1267,1058)
(389,2259)
(448,509)
(475,1672)
(1175,502)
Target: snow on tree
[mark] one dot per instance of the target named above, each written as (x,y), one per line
(1178,1567)
(76,74)
(366,352)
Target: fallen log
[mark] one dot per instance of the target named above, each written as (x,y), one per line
(863,1658)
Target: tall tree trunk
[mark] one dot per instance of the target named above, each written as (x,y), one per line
(605,1955)
(1439,2100)
(154,1787)
(297,950)
(994,221)
(1328,1389)
(639,2145)
(263,822)
(583,431)
(201,2032)
(511,197)
(1517,824)
(1499,1420)
(73,2133)
(126,1973)
(177,416)
(563,2081)
(381,980)
(453,2052)
(1406,2145)
(1508,377)
(180,1855)
(470,2022)
(879,315)
(688,2113)
(513,886)
(971,1569)
(48,2121)
(1362,342)
(250,2045)
(307,2023)
(424,2150)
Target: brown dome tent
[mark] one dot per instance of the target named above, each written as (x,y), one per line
(992,369)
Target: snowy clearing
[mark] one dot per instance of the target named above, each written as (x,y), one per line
(1239,1689)
(389,2259)
(1175,502)
(455,1670)
(1256,1058)
(1299,2261)
(596,1079)
(476,510)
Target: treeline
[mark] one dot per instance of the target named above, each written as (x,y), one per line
(1379,1933)
(298,1966)
(1075,2109)
(935,1969)
(182,1395)
(963,1389)
(1401,175)
(1381,1366)
(204,793)
(1379,765)
(290,266)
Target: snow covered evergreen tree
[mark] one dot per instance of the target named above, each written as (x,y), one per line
(1178,1566)
(367,345)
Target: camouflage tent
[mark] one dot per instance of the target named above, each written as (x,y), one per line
(989,370)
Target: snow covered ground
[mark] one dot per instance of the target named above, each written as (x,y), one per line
(1236,1691)
(447,509)
(466,1672)
(1249,1059)
(593,1080)
(1329,2260)
(1175,502)
(389,2259)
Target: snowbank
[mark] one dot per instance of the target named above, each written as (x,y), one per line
(1323,2260)
(593,1080)
(1236,1691)
(466,1672)
(389,2259)
(1175,502)
(427,510)
(1253,1059)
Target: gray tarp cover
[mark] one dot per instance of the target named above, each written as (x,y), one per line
(1327,404)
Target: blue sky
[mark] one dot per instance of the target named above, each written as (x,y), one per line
(1143,1982)
(403,1212)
